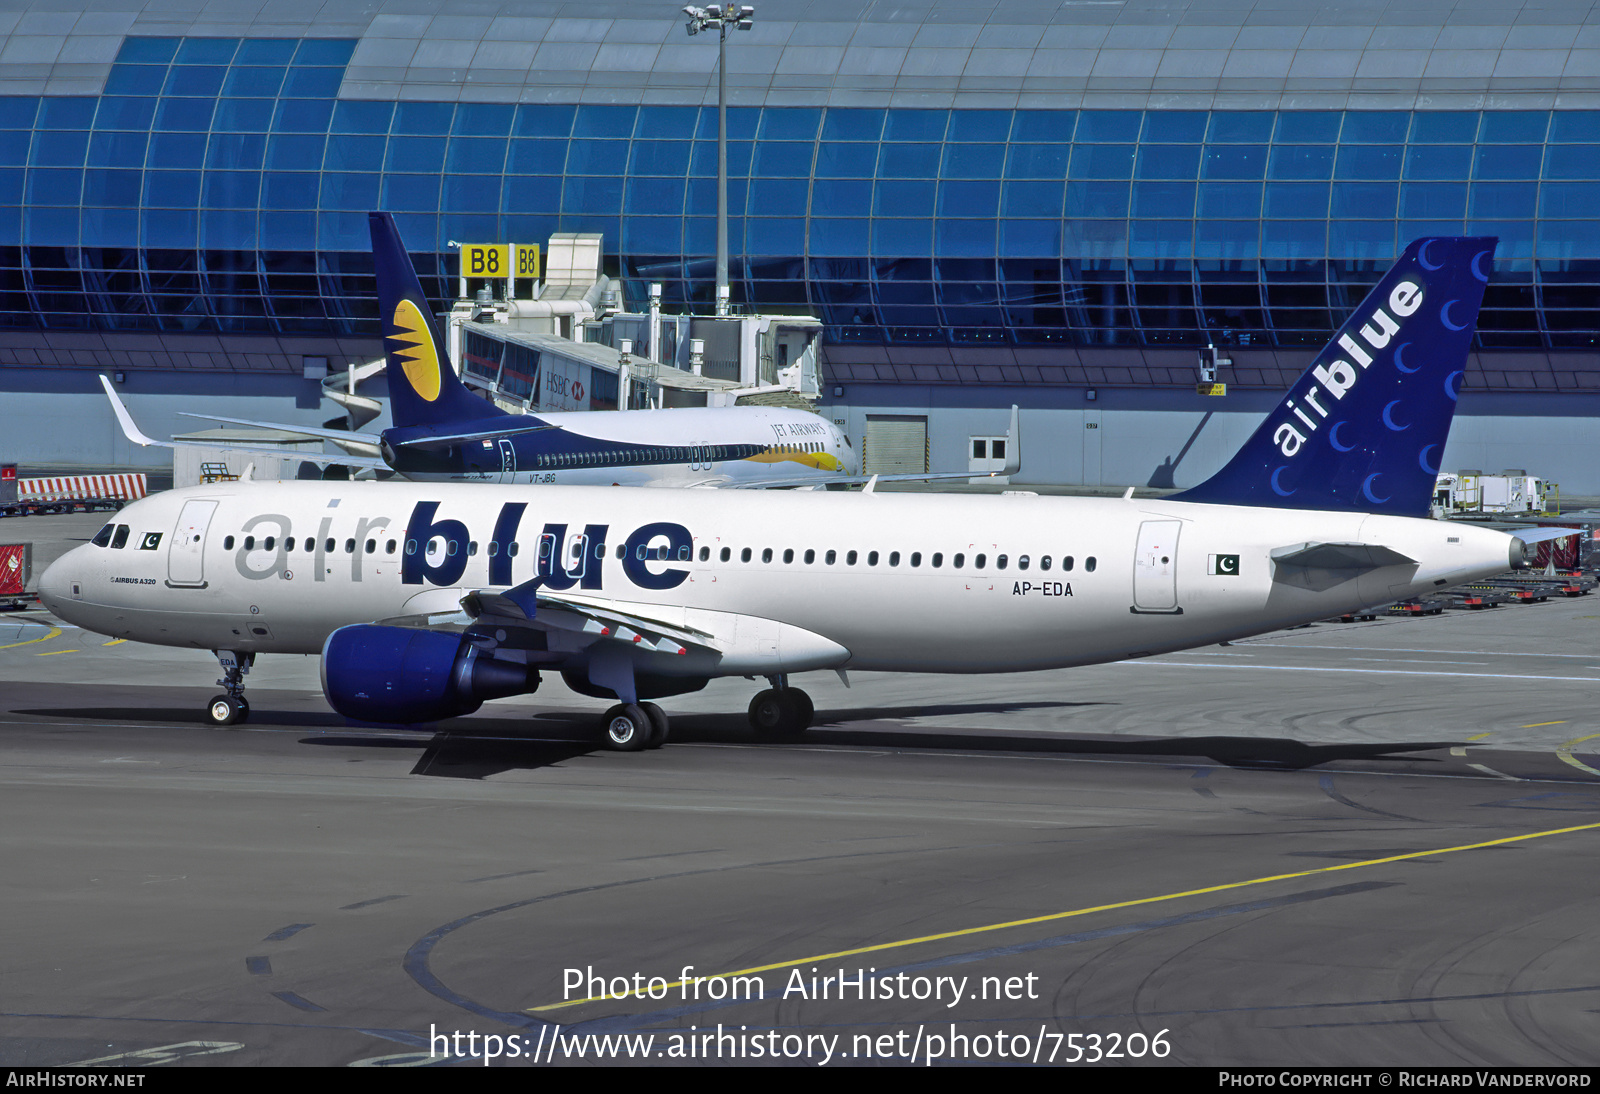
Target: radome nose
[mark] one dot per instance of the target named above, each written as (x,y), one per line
(56,580)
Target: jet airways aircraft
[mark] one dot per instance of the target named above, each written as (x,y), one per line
(445,433)
(425,600)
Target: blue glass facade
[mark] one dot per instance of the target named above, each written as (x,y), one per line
(220,185)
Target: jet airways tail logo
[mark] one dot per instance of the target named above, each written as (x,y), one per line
(416,352)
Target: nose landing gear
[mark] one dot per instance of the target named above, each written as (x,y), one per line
(231,707)
(781,713)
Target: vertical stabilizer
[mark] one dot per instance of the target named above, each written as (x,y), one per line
(423,388)
(1364,428)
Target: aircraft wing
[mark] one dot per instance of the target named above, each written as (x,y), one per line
(338,436)
(132,431)
(855,480)
(590,616)
(528,606)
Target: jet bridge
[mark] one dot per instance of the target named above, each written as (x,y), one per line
(561,341)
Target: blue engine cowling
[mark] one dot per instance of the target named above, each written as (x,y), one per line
(401,674)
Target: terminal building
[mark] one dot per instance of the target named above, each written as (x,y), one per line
(1057,205)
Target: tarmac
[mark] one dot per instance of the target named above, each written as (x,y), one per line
(1345,844)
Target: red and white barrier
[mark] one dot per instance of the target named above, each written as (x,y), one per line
(81,487)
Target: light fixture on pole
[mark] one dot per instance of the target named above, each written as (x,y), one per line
(720,17)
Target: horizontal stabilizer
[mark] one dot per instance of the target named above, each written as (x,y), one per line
(1541,535)
(1339,556)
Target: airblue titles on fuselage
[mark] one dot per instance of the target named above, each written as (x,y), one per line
(559,568)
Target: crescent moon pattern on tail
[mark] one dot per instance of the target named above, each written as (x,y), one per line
(1333,437)
(1366,489)
(1451,388)
(1280,491)
(1390,422)
(1399,358)
(1422,257)
(1444,316)
(1476,270)
(1422,459)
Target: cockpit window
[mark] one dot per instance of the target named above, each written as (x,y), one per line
(120,540)
(102,538)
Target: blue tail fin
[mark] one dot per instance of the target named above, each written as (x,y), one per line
(423,388)
(1363,429)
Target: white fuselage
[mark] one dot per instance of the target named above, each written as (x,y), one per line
(916,582)
(794,444)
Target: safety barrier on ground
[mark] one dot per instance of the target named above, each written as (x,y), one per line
(130,487)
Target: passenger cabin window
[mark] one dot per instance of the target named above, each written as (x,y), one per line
(372,547)
(872,558)
(328,545)
(916,558)
(1000,562)
(725,554)
(1044,562)
(938,560)
(894,558)
(350,547)
(830,557)
(705,554)
(1066,562)
(850,559)
(288,543)
(766,555)
(979,561)
(269,543)
(811,556)
(1022,562)
(744,555)
(959,561)
(788,555)
(249,543)
(227,543)
(388,548)
(1088,564)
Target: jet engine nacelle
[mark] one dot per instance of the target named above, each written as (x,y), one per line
(400,674)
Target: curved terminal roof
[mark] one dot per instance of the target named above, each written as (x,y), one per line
(1039,54)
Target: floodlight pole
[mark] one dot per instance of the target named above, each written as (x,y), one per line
(720,16)
(722,168)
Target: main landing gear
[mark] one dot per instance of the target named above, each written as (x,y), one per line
(232,707)
(633,727)
(781,713)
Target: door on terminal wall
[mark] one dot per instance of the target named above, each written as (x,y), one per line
(1155,567)
(186,554)
(897,444)
(986,455)
(1091,447)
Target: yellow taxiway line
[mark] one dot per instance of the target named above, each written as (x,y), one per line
(881,946)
